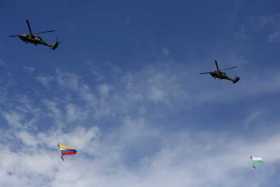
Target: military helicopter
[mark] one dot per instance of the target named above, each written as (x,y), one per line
(219,74)
(34,38)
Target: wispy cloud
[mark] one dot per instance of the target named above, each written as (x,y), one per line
(267,25)
(120,145)
(181,159)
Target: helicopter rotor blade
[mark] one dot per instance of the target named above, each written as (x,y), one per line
(29,27)
(43,32)
(230,68)
(13,36)
(217,66)
(205,73)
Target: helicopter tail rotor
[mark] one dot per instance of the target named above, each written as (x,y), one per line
(236,80)
(55,45)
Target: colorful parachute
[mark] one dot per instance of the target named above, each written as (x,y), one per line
(66,150)
(256,161)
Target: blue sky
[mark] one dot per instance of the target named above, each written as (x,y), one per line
(124,88)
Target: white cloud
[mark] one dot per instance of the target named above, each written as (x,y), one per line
(274,37)
(27,138)
(136,151)
(14,119)
(45,80)
(268,25)
(68,80)
(183,160)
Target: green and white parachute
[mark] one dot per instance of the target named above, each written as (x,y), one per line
(256,161)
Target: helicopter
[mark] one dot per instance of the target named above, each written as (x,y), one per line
(219,74)
(34,38)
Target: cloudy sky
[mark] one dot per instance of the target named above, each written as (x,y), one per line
(124,88)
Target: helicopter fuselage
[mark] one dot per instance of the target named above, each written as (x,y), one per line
(223,75)
(219,75)
(32,39)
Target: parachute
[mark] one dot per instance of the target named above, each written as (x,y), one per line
(256,161)
(66,150)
